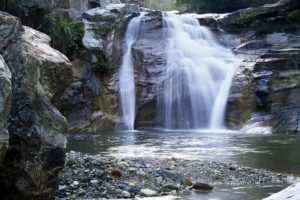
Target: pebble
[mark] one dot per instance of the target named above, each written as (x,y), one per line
(148,192)
(75,183)
(126,194)
(94,181)
(104,177)
(202,187)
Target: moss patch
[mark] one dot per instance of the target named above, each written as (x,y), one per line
(66,35)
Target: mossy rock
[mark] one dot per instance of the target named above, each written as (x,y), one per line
(66,35)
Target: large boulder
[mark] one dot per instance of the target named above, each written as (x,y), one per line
(54,68)
(5,94)
(36,143)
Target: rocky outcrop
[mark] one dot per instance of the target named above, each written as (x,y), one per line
(36,143)
(104,32)
(90,103)
(282,16)
(35,13)
(224,6)
(5,94)
(268,81)
(149,62)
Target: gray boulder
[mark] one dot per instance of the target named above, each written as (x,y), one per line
(5,94)
(36,128)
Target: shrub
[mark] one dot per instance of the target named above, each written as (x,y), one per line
(66,35)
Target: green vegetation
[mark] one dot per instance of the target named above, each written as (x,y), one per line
(102,65)
(66,35)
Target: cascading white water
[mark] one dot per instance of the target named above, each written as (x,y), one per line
(126,75)
(199,73)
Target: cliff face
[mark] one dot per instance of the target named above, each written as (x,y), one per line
(266,89)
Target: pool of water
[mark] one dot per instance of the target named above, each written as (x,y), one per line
(278,153)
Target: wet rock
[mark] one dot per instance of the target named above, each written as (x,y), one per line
(149,61)
(202,187)
(169,188)
(188,182)
(116,173)
(148,192)
(91,102)
(267,81)
(101,38)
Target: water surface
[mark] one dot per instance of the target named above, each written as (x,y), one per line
(278,153)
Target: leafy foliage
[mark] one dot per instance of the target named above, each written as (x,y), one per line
(66,35)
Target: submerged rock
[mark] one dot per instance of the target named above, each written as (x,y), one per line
(202,187)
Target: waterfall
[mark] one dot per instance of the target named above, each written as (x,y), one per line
(126,75)
(199,73)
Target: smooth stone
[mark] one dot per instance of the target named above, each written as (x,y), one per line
(169,188)
(94,181)
(126,194)
(116,173)
(148,192)
(202,187)
(62,187)
(75,183)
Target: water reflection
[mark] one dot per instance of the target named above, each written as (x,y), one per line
(274,152)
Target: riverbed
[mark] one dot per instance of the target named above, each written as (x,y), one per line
(266,152)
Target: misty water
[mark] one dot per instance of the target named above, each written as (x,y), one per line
(199,73)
